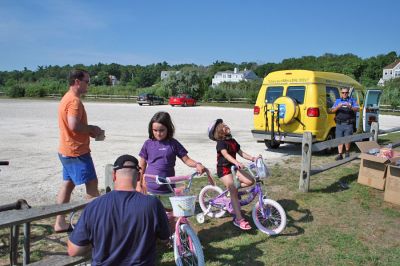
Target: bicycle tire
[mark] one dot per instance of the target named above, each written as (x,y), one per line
(188,257)
(276,220)
(204,198)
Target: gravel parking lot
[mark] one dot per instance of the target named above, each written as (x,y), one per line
(29,140)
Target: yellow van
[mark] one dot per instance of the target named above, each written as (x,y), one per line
(291,102)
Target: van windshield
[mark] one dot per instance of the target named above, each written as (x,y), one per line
(297,93)
(273,93)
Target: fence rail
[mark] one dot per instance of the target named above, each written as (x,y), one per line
(99,96)
(308,147)
(231,100)
(389,108)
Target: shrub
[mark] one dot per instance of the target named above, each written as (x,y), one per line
(35,90)
(15,91)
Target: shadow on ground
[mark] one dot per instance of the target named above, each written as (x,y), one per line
(295,216)
(336,186)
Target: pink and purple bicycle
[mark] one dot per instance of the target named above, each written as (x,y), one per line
(268,215)
(187,246)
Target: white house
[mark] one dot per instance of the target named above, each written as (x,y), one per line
(391,71)
(233,76)
(166,74)
(113,80)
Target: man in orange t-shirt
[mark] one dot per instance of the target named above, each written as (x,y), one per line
(74,151)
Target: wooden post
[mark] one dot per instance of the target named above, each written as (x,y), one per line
(14,245)
(375,130)
(108,178)
(27,242)
(304,182)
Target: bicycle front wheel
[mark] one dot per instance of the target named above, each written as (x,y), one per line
(207,194)
(270,218)
(191,252)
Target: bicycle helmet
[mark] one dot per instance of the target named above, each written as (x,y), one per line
(212,127)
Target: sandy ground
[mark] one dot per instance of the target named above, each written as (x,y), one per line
(29,140)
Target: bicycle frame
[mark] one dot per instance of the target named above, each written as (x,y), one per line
(221,201)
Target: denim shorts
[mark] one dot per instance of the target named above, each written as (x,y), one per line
(79,170)
(345,129)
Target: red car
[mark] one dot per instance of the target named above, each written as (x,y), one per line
(182,100)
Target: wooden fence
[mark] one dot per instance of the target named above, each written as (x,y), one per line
(389,108)
(308,147)
(231,100)
(100,96)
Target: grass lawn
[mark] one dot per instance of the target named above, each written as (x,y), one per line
(327,226)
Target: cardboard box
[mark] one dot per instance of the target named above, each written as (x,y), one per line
(372,168)
(392,187)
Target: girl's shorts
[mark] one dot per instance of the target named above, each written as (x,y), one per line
(223,171)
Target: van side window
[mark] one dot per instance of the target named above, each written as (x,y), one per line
(332,93)
(358,96)
(273,93)
(296,93)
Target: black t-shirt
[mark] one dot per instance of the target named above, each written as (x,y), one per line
(232,148)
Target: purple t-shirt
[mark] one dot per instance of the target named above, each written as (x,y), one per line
(161,157)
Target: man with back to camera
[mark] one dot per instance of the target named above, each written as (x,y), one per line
(74,151)
(345,109)
(123,225)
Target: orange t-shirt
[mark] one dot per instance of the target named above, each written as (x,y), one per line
(72,143)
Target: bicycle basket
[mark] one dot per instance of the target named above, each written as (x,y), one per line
(261,169)
(183,205)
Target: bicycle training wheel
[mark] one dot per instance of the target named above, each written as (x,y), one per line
(192,251)
(275,217)
(208,193)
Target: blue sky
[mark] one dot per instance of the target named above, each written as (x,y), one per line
(59,32)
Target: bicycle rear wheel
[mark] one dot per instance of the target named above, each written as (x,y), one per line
(275,217)
(191,252)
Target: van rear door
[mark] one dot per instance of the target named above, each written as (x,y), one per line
(371,108)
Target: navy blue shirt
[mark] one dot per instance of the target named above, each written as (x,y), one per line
(345,112)
(122,227)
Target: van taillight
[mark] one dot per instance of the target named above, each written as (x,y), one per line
(256,110)
(313,112)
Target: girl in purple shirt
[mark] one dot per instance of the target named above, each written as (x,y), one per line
(159,152)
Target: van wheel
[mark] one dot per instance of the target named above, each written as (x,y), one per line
(272,144)
(331,135)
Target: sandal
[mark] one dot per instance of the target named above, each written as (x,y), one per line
(242,224)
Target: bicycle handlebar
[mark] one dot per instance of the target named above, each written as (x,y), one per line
(4,162)
(160,180)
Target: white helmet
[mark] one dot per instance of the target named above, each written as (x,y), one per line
(211,128)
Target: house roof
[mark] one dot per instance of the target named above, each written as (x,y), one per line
(392,65)
(233,72)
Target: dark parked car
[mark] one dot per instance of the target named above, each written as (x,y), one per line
(150,99)
(182,100)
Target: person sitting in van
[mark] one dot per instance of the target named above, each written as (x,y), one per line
(345,109)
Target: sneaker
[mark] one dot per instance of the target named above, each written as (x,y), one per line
(347,154)
(339,157)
